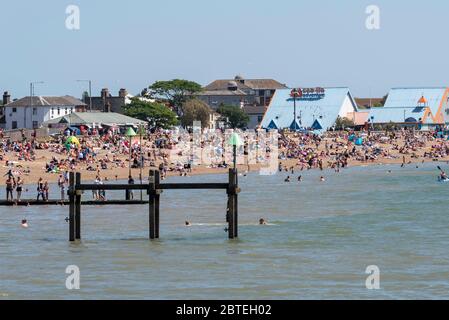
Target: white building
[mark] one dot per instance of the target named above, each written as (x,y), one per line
(27,113)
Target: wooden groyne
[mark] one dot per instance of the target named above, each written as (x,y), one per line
(154,189)
(34,202)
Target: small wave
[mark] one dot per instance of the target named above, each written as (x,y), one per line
(225,224)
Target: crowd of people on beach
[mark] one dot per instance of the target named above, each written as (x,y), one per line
(111,150)
(336,150)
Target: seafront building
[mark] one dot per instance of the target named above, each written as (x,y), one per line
(316,108)
(106,102)
(252,95)
(424,108)
(94,120)
(31,112)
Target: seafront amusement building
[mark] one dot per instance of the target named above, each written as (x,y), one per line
(425,108)
(316,108)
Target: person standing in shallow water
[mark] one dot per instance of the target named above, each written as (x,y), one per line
(40,189)
(46,190)
(19,188)
(61,185)
(9,189)
(130,192)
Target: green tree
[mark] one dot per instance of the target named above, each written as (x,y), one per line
(156,114)
(176,91)
(343,123)
(236,117)
(195,110)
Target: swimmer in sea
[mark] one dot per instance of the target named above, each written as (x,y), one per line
(287,179)
(299,178)
(322,179)
(262,222)
(24,223)
(188,224)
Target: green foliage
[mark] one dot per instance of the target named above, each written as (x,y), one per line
(236,117)
(195,110)
(343,123)
(176,91)
(156,114)
(384,99)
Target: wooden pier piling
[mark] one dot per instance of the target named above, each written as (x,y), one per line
(71,194)
(154,189)
(78,194)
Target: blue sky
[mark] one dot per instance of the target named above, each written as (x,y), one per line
(301,43)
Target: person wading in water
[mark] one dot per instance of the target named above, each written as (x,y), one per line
(19,188)
(9,189)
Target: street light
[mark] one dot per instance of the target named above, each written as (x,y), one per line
(31,101)
(90,92)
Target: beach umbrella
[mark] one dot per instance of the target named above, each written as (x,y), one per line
(235,142)
(72,140)
(130,133)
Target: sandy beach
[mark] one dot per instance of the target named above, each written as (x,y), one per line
(36,169)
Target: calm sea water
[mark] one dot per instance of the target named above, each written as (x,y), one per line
(320,239)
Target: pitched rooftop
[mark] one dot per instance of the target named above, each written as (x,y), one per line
(38,101)
(246,84)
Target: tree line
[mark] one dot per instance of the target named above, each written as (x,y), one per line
(165,104)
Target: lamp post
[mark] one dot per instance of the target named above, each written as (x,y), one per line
(90,92)
(31,101)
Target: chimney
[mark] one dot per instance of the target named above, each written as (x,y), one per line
(122,93)
(105,93)
(6,98)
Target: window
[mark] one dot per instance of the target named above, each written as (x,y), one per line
(14,125)
(14,109)
(34,111)
(52,111)
(35,125)
(59,111)
(66,110)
